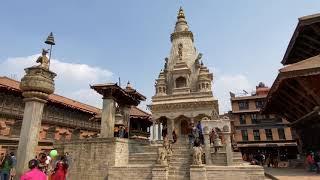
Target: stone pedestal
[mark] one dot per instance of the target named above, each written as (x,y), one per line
(198,172)
(36,85)
(227,140)
(160,172)
(107,118)
(207,149)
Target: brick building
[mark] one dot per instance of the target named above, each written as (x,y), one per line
(63,119)
(253,131)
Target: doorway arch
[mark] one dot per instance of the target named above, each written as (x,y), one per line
(184,127)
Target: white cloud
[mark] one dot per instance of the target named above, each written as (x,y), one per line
(226,83)
(72,79)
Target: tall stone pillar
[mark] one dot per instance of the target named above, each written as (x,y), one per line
(36,85)
(227,140)
(107,118)
(207,145)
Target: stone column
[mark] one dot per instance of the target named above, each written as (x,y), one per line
(107,118)
(170,127)
(227,140)
(36,85)
(207,148)
(154,129)
(159,131)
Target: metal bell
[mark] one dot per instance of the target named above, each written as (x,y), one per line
(50,39)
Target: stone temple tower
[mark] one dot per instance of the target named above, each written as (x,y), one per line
(183,93)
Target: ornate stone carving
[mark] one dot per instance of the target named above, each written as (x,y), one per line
(38,82)
(180,46)
(197,155)
(162,157)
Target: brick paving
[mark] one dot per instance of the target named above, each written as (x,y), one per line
(292,174)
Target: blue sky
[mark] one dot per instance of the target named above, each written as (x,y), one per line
(243,41)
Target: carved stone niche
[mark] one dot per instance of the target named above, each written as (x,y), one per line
(16,128)
(75,134)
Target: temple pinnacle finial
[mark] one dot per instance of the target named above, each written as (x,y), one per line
(181,13)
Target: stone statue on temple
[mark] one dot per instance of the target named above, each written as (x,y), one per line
(197,155)
(162,157)
(180,46)
(167,147)
(166,64)
(197,61)
(43,60)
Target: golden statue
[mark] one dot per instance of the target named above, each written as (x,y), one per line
(43,60)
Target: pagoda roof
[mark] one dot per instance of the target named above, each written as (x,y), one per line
(305,41)
(13,85)
(292,93)
(123,96)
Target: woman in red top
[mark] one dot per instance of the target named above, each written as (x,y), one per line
(60,172)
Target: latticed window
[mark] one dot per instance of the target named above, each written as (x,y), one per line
(242,119)
(254,119)
(256,135)
(259,104)
(244,135)
(243,105)
(269,134)
(281,134)
(181,82)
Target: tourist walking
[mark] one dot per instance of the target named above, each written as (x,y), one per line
(60,171)
(317,161)
(6,166)
(310,161)
(34,173)
(14,163)
(121,132)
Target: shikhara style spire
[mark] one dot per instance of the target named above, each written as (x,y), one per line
(181,24)
(183,73)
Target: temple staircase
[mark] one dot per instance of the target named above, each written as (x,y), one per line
(179,165)
(145,154)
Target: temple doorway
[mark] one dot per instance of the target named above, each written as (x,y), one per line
(184,127)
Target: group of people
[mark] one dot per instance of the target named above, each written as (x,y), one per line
(195,135)
(268,159)
(313,161)
(48,167)
(7,166)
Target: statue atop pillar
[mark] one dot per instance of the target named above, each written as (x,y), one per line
(43,60)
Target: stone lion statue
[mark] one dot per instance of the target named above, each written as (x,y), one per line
(197,155)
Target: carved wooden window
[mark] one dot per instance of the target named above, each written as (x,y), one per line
(281,134)
(244,135)
(269,134)
(243,105)
(181,82)
(242,119)
(256,135)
